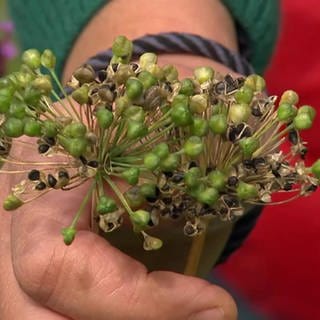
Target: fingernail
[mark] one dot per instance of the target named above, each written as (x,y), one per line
(212,314)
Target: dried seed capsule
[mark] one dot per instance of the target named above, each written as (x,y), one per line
(40,186)
(43,148)
(190,229)
(177,177)
(151,243)
(232,181)
(34,175)
(256,111)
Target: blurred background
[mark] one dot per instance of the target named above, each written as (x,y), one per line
(275,274)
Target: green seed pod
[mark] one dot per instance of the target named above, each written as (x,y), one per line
(151,161)
(246,191)
(203,74)
(170,73)
(49,128)
(134,88)
(152,243)
(104,118)
(122,47)
(48,59)
(84,74)
(140,218)
(23,79)
(192,177)
(155,70)
(122,103)
(75,146)
(75,130)
(302,121)
(147,58)
(209,196)
(31,58)
(196,189)
(255,82)
(148,190)
(170,163)
(161,150)
(217,179)
(42,84)
(106,205)
(31,96)
(180,99)
(239,113)
(147,79)
(244,95)
(181,114)
(135,113)
(290,97)
(12,202)
(249,146)
(315,169)
(134,197)
(32,128)
(286,112)
(124,72)
(131,175)
(136,130)
(199,127)
(218,123)
(198,103)
(68,235)
(17,109)
(13,127)
(193,146)
(187,87)
(6,95)
(309,110)
(81,95)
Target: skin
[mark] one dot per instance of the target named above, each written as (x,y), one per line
(40,277)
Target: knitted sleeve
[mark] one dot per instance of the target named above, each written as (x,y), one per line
(38,27)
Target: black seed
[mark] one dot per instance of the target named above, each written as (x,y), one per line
(208,170)
(232,136)
(102,75)
(150,223)
(94,91)
(34,175)
(293,136)
(311,188)
(258,161)
(110,225)
(63,174)
(232,181)
(52,181)
(49,140)
(220,87)
(177,177)
(246,133)
(152,199)
(239,128)
(276,173)
(192,164)
(167,86)
(83,160)
(157,191)
(43,148)
(168,174)
(166,201)
(248,163)
(93,163)
(134,66)
(229,80)
(166,187)
(303,152)
(256,111)
(111,86)
(114,67)
(41,186)
(231,202)
(287,186)
(175,213)
(223,210)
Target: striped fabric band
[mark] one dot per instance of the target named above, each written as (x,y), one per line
(174,42)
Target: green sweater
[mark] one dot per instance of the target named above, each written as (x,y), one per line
(55,24)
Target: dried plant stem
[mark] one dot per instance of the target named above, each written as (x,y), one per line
(195,252)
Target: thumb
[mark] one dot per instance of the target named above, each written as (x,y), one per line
(92,280)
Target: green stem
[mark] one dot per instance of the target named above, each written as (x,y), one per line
(82,205)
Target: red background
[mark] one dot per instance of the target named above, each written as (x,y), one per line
(278,267)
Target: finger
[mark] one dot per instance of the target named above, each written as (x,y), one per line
(90,277)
